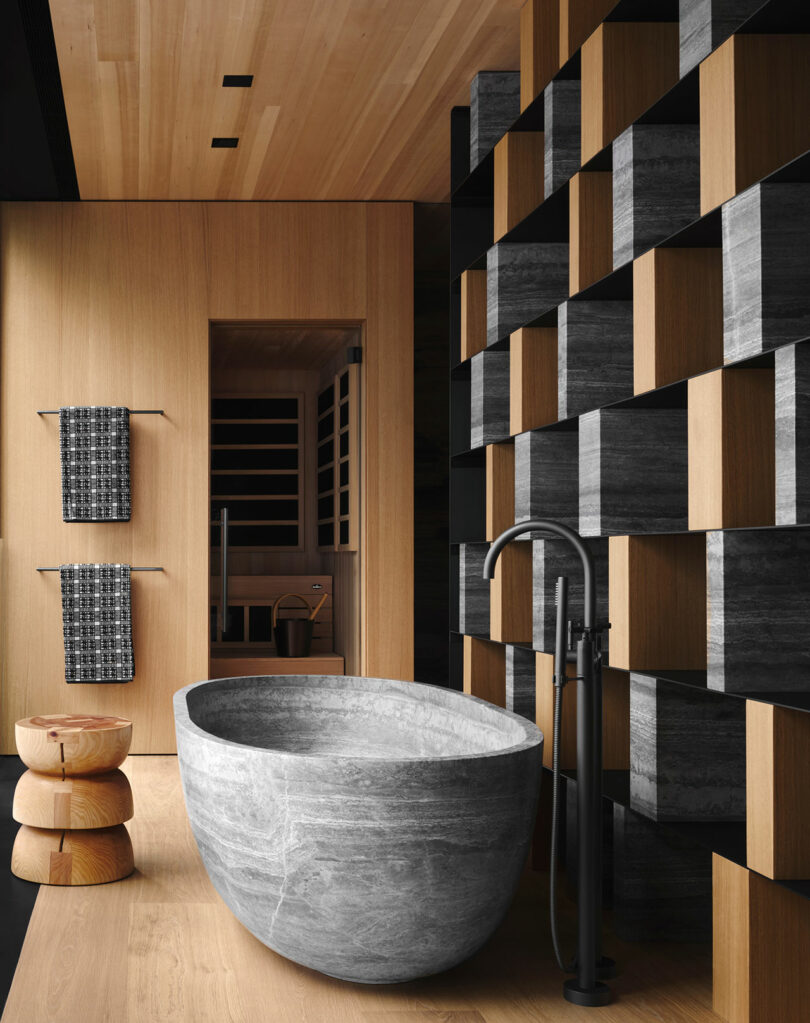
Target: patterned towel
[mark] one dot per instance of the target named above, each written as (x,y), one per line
(94,443)
(97,623)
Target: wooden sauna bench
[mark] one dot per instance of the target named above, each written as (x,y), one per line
(228,664)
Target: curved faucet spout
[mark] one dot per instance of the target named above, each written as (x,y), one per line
(557,531)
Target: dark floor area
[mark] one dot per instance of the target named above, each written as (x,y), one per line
(16,897)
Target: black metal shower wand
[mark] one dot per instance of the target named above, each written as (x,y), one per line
(585,989)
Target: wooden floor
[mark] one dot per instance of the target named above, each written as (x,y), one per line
(161,946)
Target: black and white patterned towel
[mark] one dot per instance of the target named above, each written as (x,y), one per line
(94,444)
(97,623)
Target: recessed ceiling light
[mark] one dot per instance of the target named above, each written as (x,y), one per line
(224,143)
(237,81)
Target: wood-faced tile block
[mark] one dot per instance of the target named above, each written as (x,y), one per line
(500,488)
(578,19)
(750,90)
(759,605)
(615,715)
(590,228)
(524,280)
(766,269)
(657,599)
(687,752)
(550,560)
(532,378)
(761,937)
(546,476)
(520,681)
(778,790)
(594,355)
(489,398)
(494,105)
(518,178)
(561,110)
(473,597)
(626,67)
(539,47)
(510,595)
(485,670)
(661,883)
(677,315)
(632,471)
(731,449)
(656,185)
(705,24)
(473,313)
(792,400)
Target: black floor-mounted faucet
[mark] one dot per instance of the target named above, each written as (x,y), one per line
(585,989)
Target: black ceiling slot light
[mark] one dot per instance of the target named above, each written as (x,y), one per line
(237,81)
(224,143)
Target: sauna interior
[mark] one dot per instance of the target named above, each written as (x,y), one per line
(404,511)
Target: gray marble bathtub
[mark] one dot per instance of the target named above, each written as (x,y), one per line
(371,829)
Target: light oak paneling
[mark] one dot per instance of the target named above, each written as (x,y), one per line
(485,670)
(539,48)
(349,100)
(578,19)
(500,489)
(518,179)
(473,313)
(777,790)
(731,449)
(750,90)
(731,937)
(532,378)
(510,595)
(677,315)
(626,67)
(657,599)
(590,222)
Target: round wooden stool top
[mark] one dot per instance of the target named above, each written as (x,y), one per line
(68,744)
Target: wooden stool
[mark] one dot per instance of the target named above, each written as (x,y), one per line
(72,802)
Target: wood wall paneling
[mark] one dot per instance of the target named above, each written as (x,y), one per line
(518,179)
(578,19)
(731,449)
(540,32)
(677,315)
(590,221)
(473,313)
(657,599)
(777,790)
(510,595)
(532,378)
(626,67)
(731,939)
(500,488)
(750,90)
(485,670)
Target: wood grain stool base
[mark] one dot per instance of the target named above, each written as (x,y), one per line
(97,801)
(68,744)
(54,856)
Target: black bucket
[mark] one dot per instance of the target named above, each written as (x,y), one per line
(293,637)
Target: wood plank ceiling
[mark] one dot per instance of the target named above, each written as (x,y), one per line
(350,98)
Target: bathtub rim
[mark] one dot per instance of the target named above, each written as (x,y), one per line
(532,736)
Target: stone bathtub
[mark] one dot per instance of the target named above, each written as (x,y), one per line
(371,829)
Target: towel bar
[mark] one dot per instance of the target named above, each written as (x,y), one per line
(132,412)
(134,568)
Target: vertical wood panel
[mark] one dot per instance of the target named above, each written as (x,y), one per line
(485,670)
(500,488)
(510,595)
(730,940)
(518,179)
(539,47)
(473,313)
(532,378)
(590,220)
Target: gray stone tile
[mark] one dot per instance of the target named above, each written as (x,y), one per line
(521,682)
(546,476)
(758,586)
(687,752)
(494,106)
(489,406)
(792,391)
(662,885)
(523,281)
(656,185)
(633,475)
(473,590)
(766,269)
(705,24)
(561,140)
(594,355)
(551,559)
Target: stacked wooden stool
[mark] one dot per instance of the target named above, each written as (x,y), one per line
(73,800)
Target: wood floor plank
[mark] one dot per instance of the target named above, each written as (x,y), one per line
(161,947)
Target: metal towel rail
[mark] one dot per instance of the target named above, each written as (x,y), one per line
(132,412)
(133,568)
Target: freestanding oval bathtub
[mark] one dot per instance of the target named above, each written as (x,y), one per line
(371,829)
